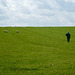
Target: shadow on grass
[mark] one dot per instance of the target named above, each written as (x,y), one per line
(20,69)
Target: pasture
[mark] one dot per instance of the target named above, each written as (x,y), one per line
(37,51)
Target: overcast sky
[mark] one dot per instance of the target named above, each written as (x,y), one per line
(37,12)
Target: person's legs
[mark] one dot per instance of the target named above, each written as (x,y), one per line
(68,39)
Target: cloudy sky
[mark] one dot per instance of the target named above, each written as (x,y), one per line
(37,12)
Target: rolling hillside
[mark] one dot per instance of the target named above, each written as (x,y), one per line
(37,51)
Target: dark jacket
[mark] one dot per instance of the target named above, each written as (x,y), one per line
(68,35)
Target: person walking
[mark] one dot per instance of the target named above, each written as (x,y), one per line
(68,36)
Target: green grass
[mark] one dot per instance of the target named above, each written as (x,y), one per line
(37,51)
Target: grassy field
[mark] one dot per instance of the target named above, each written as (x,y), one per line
(37,51)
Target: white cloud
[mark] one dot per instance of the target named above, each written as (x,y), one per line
(36,12)
(70,0)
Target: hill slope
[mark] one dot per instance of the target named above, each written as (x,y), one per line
(37,51)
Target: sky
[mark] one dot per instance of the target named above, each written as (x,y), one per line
(37,13)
